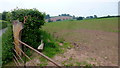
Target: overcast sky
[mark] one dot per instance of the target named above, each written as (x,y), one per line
(72,7)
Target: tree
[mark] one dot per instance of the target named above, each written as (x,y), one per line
(91,17)
(8,16)
(73,16)
(0,16)
(4,15)
(47,16)
(80,18)
(95,16)
(50,20)
(58,20)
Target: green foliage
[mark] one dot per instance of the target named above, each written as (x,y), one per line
(35,18)
(8,16)
(0,16)
(3,24)
(7,46)
(4,15)
(31,33)
(51,47)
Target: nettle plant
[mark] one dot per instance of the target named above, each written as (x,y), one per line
(31,32)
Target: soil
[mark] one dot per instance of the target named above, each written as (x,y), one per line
(91,46)
(94,47)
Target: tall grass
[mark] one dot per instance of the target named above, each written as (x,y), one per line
(51,47)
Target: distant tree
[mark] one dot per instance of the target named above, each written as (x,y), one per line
(47,16)
(87,17)
(80,18)
(67,14)
(91,17)
(73,16)
(63,14)
(108,16)
(4,15)
(8,16)
(0,16)
(95,16)
(58,20)
(50,20)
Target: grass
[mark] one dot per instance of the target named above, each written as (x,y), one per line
(0,51)
(105,24)
(3,24)
(51,45)
(7,45)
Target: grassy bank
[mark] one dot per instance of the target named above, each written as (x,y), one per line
(7,45)
(52,46)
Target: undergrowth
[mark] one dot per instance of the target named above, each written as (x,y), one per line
(52,47)
(7,45)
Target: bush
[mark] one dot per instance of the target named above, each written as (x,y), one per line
(7,46)
(31,33)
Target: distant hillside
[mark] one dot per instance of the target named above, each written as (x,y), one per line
(58,18)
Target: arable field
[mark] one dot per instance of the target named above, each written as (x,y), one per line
(95,41)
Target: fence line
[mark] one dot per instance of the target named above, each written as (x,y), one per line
(16,60)
(18,56)
(25,55)
(40,53)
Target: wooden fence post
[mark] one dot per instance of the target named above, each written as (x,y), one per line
(17,30)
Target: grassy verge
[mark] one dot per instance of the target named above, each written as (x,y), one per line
(52,46)
(0,51)
(7,45)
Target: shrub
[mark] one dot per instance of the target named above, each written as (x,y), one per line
(31,33)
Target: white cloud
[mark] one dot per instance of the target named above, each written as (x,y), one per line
(55,7)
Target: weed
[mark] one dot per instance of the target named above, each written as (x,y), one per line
(78,63)
(70,64)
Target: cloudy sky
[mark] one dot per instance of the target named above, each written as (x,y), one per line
(72,7)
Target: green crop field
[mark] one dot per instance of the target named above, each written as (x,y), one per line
(105,24)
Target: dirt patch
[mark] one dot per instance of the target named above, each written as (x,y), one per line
(91,46)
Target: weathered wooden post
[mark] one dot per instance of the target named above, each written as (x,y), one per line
(17,30)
